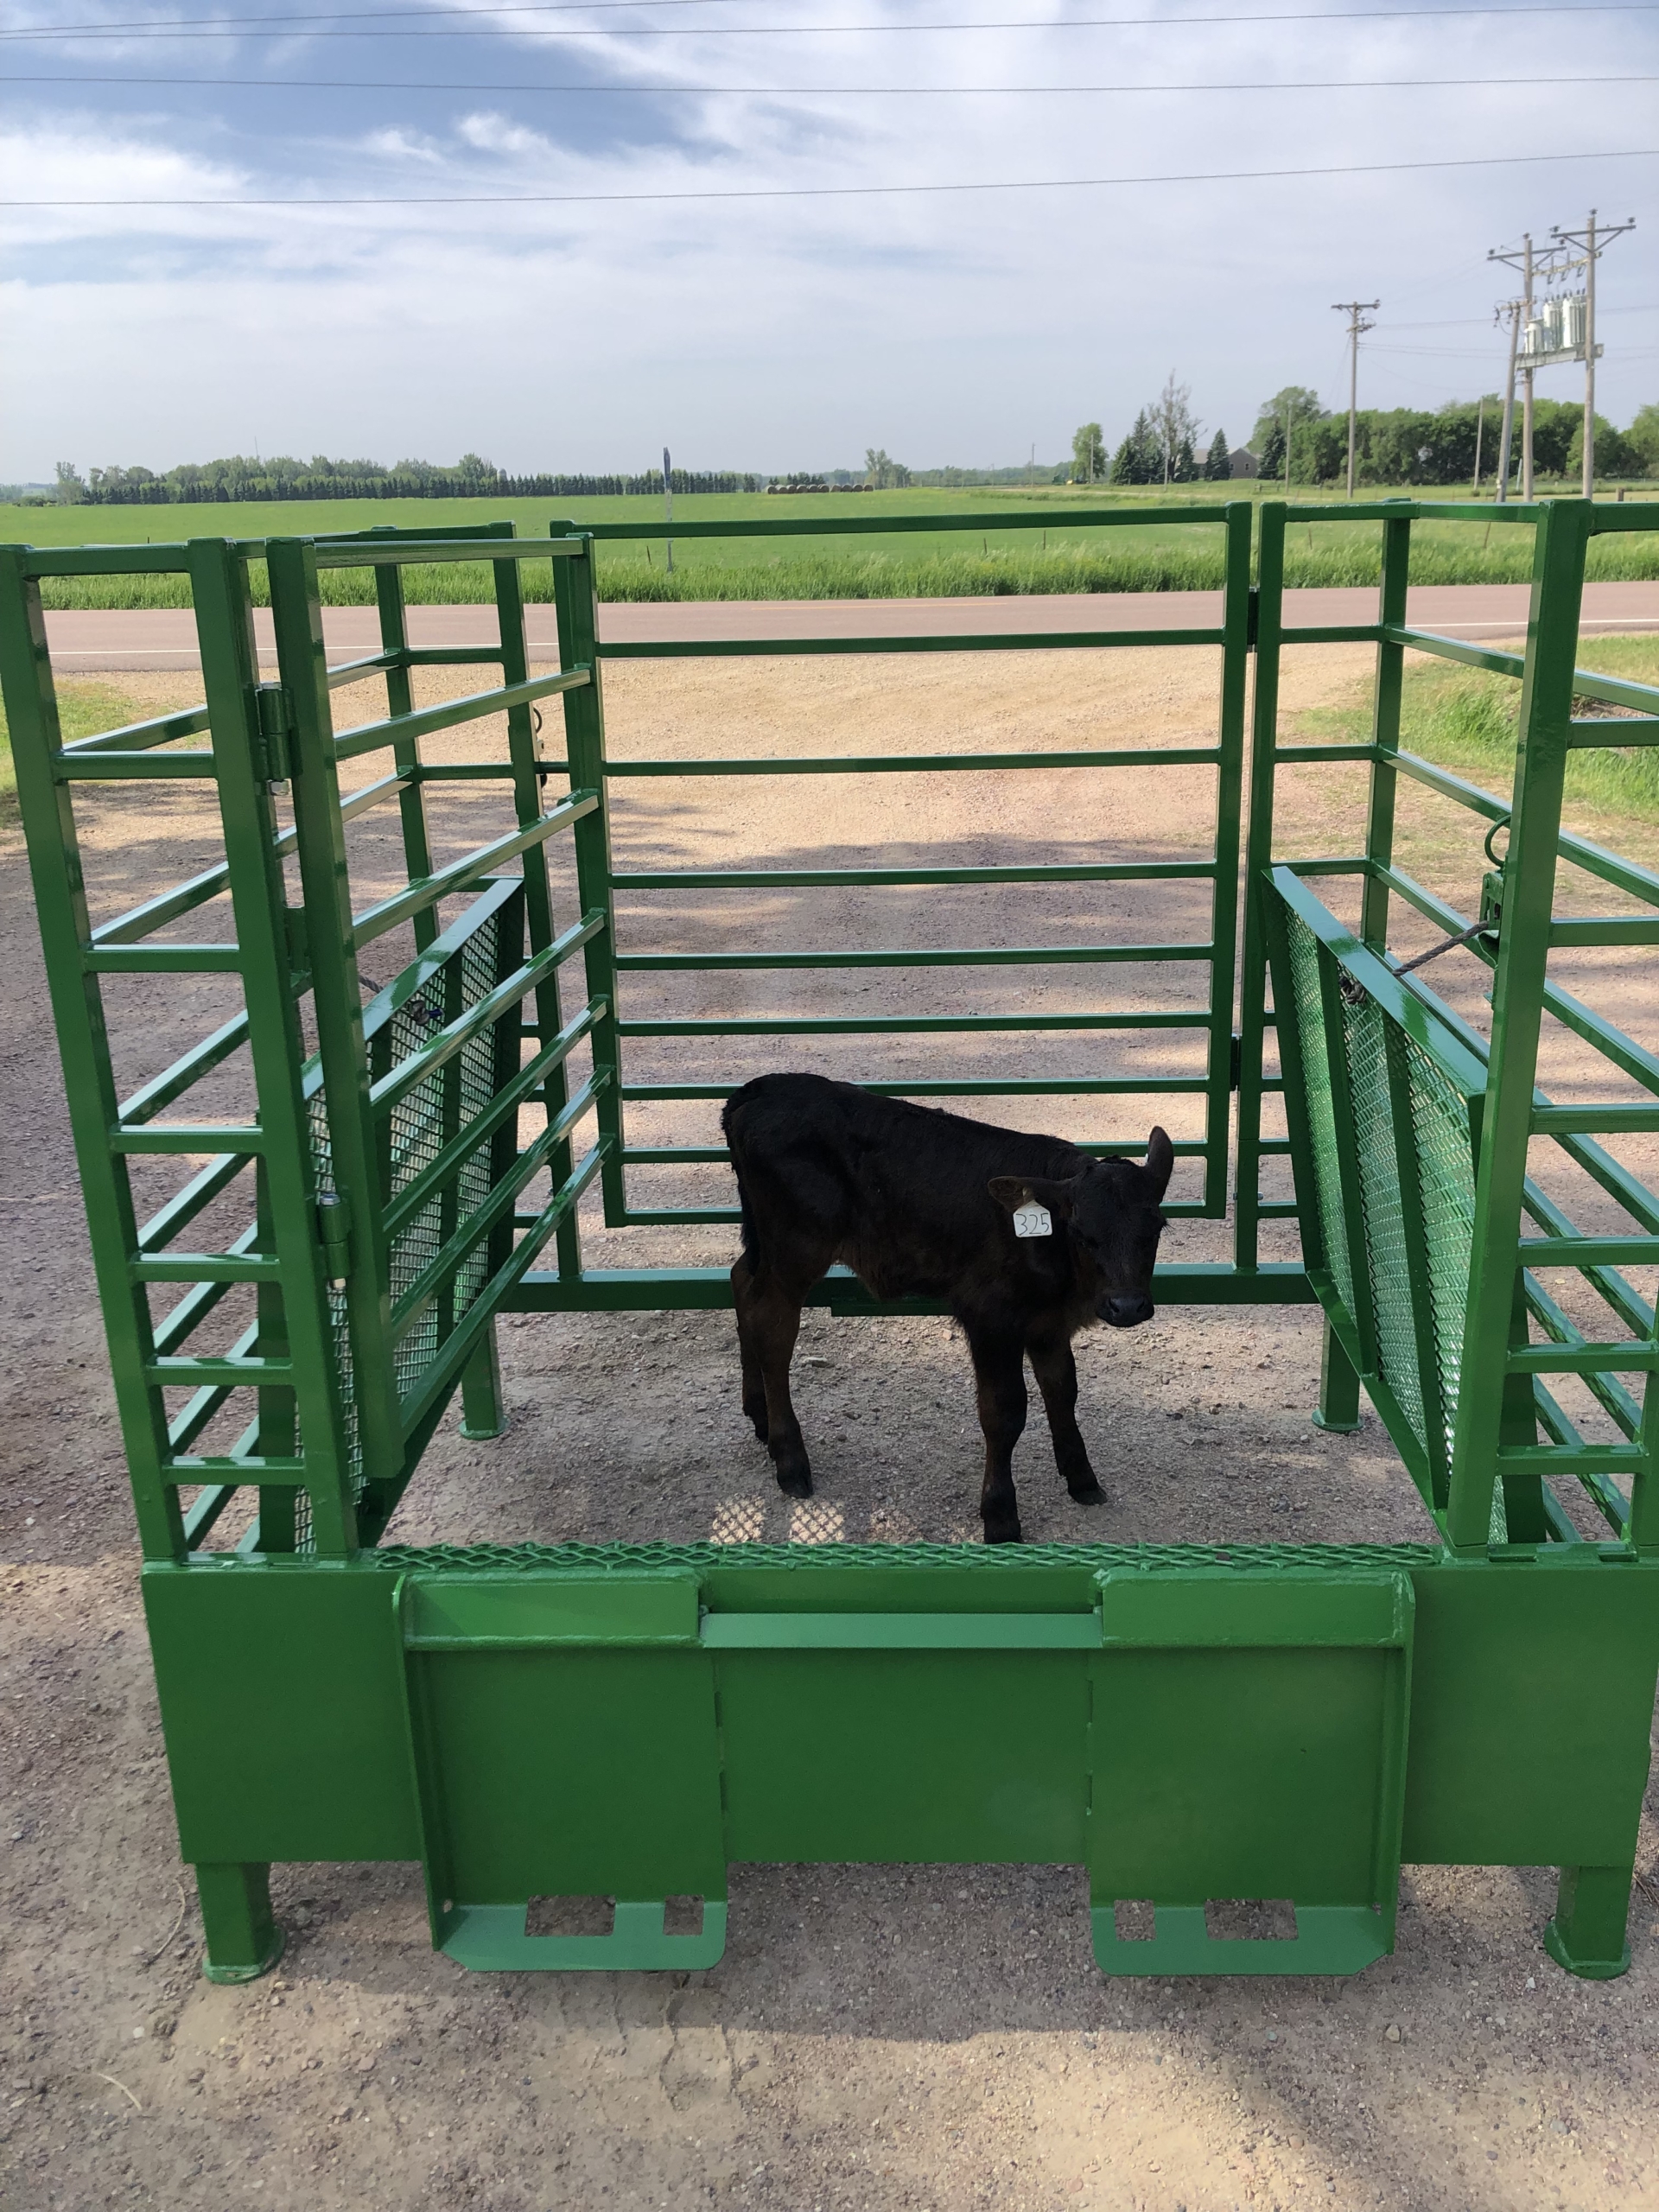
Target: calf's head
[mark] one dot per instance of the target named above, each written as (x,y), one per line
(1113,1221)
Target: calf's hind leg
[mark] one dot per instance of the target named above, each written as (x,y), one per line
(768,1322)
(1056,1369)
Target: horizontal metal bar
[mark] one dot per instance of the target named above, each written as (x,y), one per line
(900,1631)
(286,1473)
(449,656)
(1430,641)
(106,560)
(197,1195)
(1591,1458)
(1040,641)
(1636,514)
(183,1432)
(649,1290)
(449,714)
(167,906)
(1605,929)
(163,959)
(206,1267)
(911,764)
(881,526)
(421,552)
(1602,733)
(967,1087)
(1584,1359)
(1303,756)
(189,1137)
(1643,699)
(137,737)
(1589,1251)
(1455,788)
(1331,633)
(705,1155)
(966,957)
(238,1373)
(426,890)
(764,879)
(1589,1120)
(131,767)
(1595,859)
(355,671)
(1349,864)
(898,1025)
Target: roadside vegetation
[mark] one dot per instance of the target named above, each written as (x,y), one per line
(1465,720)
(84,709)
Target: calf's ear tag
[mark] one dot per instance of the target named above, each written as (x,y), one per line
(1032,1220)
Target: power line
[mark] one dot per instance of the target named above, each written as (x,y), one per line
(832,92)
(852,191)
(201,28)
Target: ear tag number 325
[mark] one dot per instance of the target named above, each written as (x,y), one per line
(1032,1220)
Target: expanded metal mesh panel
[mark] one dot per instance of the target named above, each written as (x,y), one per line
(1388,1263)
(1445,1171)
(415,1136)
(475,1083)
(1321,1107)
(1411,1150)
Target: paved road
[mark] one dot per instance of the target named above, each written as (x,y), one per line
(87,642)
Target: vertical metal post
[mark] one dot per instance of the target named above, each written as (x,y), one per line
(337,999)
(1517,1008)
(89,1082)
(1223,905)
(1526,375)
(271,952)
(668,506)
(1480,430)
(406,751)
(1258,858)
(575,585)
(1385,731)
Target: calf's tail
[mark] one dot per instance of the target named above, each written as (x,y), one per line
(748,1229)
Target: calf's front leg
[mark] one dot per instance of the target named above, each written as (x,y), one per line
(1056,1369)
(999,1374)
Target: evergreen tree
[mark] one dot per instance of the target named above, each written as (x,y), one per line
(1139,459)
(1218,462)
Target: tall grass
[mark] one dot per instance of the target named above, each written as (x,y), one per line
(813,573)
(1465,720)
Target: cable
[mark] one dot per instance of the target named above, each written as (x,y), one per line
(837,91)
(854,191)
(206,30)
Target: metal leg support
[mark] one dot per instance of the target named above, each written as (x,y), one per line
(243,1940)
(1586,1936)
(481,1417)
(1338,1408)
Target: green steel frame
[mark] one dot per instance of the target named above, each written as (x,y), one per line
(1190,1725)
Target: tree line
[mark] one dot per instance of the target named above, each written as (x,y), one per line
(281,477)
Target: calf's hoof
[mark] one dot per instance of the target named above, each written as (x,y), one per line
(1003,1532)
(794,1476)
(1087,1492)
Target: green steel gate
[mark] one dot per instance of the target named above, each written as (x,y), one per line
(1191,1726)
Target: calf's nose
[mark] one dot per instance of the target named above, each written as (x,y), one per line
(1127,1312)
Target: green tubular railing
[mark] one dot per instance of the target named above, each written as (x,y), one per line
(1192,1725)
(1497,1483)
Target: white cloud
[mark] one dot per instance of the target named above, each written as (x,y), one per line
(793,331)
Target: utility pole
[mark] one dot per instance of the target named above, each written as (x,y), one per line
(1512,308)
(1522,259)
(668,506)
(1355,310)
(1480,428)
(1593,243)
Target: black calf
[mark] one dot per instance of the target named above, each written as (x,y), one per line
(1027,1239)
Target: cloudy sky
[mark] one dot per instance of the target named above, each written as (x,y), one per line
(564,235)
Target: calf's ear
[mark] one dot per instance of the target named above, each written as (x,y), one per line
(1011,1192)
(1160,1159)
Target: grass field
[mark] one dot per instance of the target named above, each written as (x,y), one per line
(981,557)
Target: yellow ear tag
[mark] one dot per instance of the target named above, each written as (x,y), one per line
(1032,1220)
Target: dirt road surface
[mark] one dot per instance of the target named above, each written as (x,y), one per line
(879,2038)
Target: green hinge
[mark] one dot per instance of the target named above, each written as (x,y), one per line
(275,720)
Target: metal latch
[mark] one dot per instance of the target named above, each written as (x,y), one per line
(334,1227)
(275,722)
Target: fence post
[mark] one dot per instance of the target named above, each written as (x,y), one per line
(575,584)
(1224,910)
(1563,532)
(1258,856)
(1385,731)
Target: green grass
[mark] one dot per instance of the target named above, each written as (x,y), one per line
(1465,720)
(84,710)
(1058,557)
